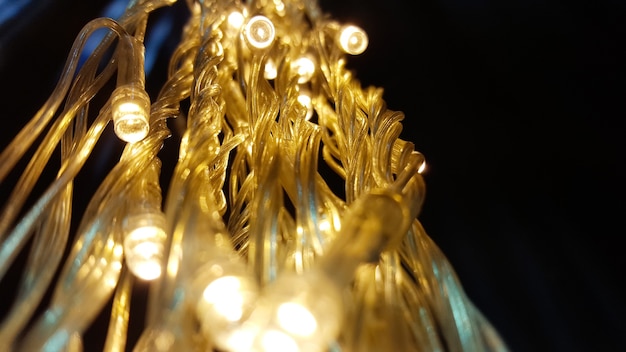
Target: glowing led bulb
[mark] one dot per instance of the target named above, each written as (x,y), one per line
(131,113)
(353,40)
(271,71)
(296,319)
(274,340)
(304,67)
(300,313)
(259,32)
(144,245)
(224,295)
(305,100)
(235,20)
(422,167)
(227,295)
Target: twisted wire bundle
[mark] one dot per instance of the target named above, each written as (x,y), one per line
(258,250)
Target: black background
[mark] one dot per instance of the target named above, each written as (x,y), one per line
(519,109)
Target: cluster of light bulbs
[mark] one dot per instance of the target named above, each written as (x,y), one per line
(230,305)
(131,104)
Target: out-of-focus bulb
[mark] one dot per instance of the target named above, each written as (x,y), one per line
(296,319)
(274,340)
(235,20)
(422,167)
(144,245)
(259,32)
(304,67)
(298,312)
(131,113)
(227,295)
(271,71)
(352,39)
(305,100)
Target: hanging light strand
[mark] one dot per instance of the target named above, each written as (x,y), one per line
(252,248)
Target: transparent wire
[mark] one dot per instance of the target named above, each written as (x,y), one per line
(252,202)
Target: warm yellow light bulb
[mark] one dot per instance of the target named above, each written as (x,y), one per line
(274,340)
(353,40)
(259,32)
(305,100)
(296,319)
(131,113)
(304,67)
(422,167)
(225,296)
(235,20)
(299,312)
(144,245)
(271,71)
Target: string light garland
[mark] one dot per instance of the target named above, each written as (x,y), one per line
(248,248)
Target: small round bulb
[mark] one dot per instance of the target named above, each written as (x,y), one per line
(296,319)
(305,100)
(274,340)
(131,113)
(235,20)
(144,245)
(225,296)
(300,313)
(353,40)
(304,67)
(271,71)
(259,32)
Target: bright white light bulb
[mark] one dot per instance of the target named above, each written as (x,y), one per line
(235,20)
(274,341)
(353,40)
(305,100)
(259,32)
(241,339)
(131,113)
(225,297)
(422,168)
(144,245)
(304,67)
(296,319)
(299,312)
(226,294)
(271,71)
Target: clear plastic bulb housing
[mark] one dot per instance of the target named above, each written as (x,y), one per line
(259,32)
(131,113)
(226,296)
(299,313)
(304,67)
(353,40)
(144,245)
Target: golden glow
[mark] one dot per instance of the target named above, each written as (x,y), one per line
(235,20)
(274,341)
(271,71)
(296,319)
(259,32)
(305,100)
(143,248)
(353,40)
(225,297)
(261,247)
(421,168)
(131,123)
(324,225)
(131,113)
(304,67)
(241,339)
